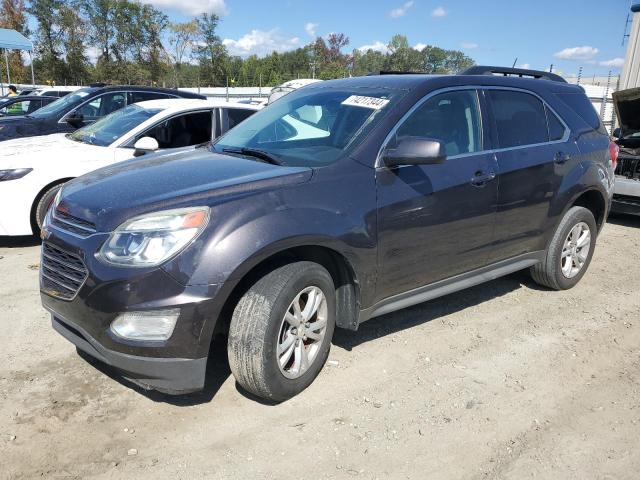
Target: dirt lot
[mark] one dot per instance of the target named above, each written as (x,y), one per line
(505,380)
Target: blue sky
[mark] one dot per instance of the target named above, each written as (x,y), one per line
(567,33)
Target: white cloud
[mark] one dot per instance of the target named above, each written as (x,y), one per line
(469,45)
(310,28)
(401,11)
(377,46)
(191,7)
(526,66)
(420,46)
(438,12)
(614,62)
(577,53)
(260,43)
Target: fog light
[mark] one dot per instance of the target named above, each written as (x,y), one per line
(155,325)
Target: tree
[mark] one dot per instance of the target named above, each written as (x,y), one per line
(12,16)
(48,38)
(211,52)
(74,31)
(181,42)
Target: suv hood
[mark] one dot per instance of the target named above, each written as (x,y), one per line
(15,127)
(627,105)
(109,196)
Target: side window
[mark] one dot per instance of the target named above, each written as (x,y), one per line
(16,109)
(182,131)
(102,105)
(520,118)
(135,97)
(237,115)
(556,128)
(451,117)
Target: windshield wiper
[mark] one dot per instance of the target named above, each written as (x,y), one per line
(252,152)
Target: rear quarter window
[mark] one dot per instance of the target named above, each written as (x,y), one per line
(582,106)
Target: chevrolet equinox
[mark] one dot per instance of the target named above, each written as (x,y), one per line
(342,201)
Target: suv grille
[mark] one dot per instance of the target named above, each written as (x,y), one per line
(72,224)
(61,273)
(628,167)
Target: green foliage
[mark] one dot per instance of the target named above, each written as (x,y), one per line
(131,42)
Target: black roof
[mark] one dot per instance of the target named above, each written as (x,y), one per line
(479,75)
(142,88)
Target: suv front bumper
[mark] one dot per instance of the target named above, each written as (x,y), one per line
(167,375)
(176,365)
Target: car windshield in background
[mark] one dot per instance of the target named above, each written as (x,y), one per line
(110,128)
(63,103)
(310,127)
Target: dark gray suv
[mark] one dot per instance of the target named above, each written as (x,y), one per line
(342,201)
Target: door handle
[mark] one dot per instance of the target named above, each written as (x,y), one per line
(481,178)
(561,158)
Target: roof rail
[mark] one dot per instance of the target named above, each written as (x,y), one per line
(512,72)
(98,84)
(394,72)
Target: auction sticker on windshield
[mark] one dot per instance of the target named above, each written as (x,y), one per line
(366,102)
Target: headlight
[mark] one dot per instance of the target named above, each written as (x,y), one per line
(14,173)
(52,208)
(153,238)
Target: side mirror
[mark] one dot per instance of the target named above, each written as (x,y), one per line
(145,145)
(415,151)
(616,133)
(76,120)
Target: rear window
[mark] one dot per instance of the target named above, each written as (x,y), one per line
(579,103)
(520,118)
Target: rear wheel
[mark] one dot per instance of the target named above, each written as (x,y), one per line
(42,207)
(570,251)
(281,331)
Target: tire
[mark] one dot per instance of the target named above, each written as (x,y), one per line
(553,272)
(42,207)
(258,329)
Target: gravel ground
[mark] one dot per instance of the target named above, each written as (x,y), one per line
(505,380)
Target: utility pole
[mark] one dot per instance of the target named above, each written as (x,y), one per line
(312,64)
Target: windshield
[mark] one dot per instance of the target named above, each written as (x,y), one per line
(311,127)
(110,128)
(63,103)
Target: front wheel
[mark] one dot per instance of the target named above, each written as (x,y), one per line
(570,251)
(281,331)
(42,207)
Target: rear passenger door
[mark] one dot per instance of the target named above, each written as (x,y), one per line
(535,152)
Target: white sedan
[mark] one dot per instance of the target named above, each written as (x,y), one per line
(33,169)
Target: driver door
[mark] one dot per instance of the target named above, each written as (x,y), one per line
(437,221)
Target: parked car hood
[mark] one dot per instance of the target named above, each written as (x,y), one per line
(627,105)
(46,151)
(15,127)
(109,196)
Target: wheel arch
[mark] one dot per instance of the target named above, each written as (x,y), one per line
(38,197)
(339,267)
(594,201)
